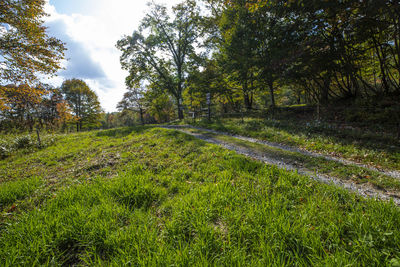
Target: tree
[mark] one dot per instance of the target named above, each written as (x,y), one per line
(134,100)
(159,51)
(84,103)
(238,48)
(54,111)
(159,104)
(40,107)
(22,104)
(25,47)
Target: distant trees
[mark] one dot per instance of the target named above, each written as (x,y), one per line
(45,107)
(133,100)
(22,106)
(83,102)
(151,104)
(34,107)
(160,108)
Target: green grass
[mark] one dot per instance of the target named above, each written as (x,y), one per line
(323,166)
(15,190)
(315,164)
(176,200)
(376,149)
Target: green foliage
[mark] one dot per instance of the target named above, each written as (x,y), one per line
(158,52)
(84,103)
(159,105)
(4,151)
(23,142)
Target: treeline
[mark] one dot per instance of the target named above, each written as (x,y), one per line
(261,54)
(42,107)
(27,55)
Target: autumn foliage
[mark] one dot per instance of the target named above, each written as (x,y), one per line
(25,48)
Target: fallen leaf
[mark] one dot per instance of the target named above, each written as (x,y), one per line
(13,208)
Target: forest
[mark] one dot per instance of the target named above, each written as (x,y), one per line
(339,59)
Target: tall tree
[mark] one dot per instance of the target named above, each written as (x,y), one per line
(84,103)
(239,46)
(159,50)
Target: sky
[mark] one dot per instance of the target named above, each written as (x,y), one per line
(90,29)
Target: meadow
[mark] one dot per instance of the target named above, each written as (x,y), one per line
(152,196)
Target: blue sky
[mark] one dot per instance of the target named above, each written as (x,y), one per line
(70,7)
(90,29)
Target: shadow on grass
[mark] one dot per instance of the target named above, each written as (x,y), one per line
(122,132)
(358,138)
(180,137)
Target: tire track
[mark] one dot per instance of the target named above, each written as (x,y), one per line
(362,189)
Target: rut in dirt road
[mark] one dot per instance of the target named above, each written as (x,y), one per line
(391,173)
(362,189)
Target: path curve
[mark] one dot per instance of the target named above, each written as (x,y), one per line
(362,189)
(391,173)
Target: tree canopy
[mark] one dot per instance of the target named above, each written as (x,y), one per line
(84,103)
(261,54)
(160,50)
(25,47)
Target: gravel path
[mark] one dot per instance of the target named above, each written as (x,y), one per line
(362,189)
(393,174)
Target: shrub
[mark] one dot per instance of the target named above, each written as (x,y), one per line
(23,142)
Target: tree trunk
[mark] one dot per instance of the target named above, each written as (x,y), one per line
(325,90)
(180,111)
(247,102)
(141,116)
(38,137)
(271,92)
(246,97)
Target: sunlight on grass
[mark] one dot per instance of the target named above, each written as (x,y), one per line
(371,149)
(16,190)
(180,201)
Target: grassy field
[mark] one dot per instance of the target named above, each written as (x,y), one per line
(370,148)
(150,196)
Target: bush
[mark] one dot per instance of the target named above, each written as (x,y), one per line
(23,142)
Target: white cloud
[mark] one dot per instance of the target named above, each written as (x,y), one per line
(92,38)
